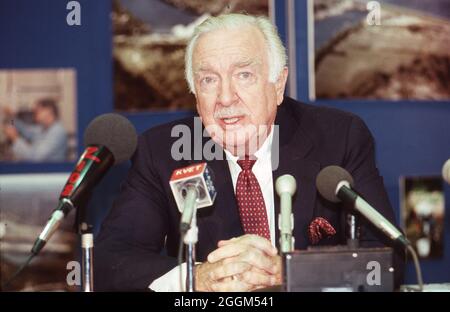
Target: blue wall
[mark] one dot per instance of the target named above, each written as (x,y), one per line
(412,137)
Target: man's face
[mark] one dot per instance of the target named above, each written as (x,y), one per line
(41,114)
(235,99)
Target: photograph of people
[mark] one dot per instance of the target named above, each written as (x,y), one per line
(43,140)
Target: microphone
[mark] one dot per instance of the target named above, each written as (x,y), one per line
(286,187)
(193,188)
(335,184)
(446,171)
(109,139)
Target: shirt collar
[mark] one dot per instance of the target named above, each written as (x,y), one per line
(264,151)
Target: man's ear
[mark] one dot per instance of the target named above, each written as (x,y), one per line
(280,85)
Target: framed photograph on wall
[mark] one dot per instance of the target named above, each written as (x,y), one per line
(383,50)
(38,115)
(422,214)
(149,41)
(26,201)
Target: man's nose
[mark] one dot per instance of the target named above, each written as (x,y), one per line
(227,94)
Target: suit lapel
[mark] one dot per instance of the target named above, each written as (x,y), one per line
(221,220)
(294,147)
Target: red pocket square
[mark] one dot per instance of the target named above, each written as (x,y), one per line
(319,227)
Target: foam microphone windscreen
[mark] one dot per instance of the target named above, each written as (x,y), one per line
(328,179)
(115,132)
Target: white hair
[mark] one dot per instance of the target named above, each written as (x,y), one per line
(276,51)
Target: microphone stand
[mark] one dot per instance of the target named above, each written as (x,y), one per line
(87,246)
(190,239)
(190,236)
(285,187)
(352,232)
(285,225)
(87,250)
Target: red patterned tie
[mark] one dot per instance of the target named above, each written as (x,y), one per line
(251,201)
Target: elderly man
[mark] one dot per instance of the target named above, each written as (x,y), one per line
(236,67)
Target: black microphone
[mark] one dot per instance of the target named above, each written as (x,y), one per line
(335,184)
(109,139)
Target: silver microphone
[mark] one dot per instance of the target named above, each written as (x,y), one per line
(286,187)
(192,188)
(446,171)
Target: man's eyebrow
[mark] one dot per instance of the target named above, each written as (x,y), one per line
(203,68)
(245,63)
(238,64)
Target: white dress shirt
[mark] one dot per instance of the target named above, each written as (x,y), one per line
(263,172)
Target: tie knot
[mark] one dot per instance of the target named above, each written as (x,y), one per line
(246,163)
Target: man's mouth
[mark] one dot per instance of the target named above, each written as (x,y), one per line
(231,120)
